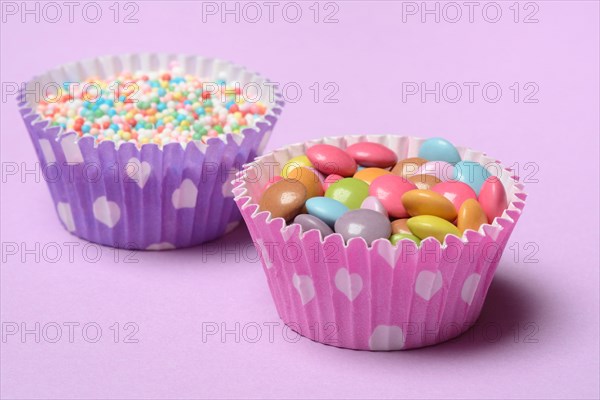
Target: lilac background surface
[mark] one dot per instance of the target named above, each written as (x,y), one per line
(368,54)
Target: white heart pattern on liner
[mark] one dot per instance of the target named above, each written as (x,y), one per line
(469,288)
(161,246)
(185,196)
(71,149)
(347,283)
(386,337)
(65,215)
(107,212)
(305,287)
(137,171)
(428,283)
(389,254)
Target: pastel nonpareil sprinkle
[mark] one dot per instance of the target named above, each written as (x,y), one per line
(155,107)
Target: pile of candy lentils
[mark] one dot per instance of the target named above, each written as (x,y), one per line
(365,191)
(156,107)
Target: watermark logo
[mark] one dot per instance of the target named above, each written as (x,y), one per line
(70,252)
(253,12)
(69,332)
(453,12)
(54,12)
(254,332)
(490,92)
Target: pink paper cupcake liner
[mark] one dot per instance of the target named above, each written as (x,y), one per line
(151,197)
(382,297)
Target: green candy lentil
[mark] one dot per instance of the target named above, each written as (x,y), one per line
(424,226)
(396,237)
(351,192)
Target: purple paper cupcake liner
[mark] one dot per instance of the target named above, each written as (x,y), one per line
(379,297)
(151,197)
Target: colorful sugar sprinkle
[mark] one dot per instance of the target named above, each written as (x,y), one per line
(155,107)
